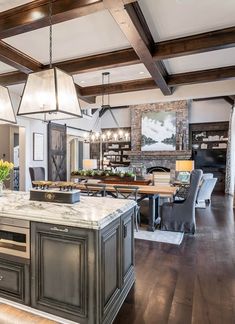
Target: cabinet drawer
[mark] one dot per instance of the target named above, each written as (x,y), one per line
(14,281)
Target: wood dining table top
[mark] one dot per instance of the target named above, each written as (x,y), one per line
(162,190)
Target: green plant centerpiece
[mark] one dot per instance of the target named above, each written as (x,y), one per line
(5,170)
(101,174)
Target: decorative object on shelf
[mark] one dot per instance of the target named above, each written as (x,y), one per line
(96,134)
(38,147)
(5,170)
(158,131)
(89,164)
(50,94)
(7,114)
(183,169)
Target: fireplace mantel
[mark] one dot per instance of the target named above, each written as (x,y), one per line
(184,154)
(164,159)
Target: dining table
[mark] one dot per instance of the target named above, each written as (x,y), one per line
(153,193)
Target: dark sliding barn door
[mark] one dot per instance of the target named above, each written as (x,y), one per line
(57,152)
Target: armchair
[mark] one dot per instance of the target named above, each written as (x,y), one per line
(205,190)
(180,215)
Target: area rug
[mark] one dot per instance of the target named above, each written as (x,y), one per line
(160,236)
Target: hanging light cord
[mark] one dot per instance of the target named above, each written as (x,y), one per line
(50,32)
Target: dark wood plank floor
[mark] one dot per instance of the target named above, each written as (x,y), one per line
(191,283)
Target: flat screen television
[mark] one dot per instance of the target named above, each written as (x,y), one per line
(210,158)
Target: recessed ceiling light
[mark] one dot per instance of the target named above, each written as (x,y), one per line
(83,81)
(141,72)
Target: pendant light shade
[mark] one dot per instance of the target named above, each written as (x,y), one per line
(50,95)
(7,114)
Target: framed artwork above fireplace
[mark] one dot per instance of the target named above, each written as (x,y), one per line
(158,131)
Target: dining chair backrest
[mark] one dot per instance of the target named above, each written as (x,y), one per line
(95,190)
(37,173)
(127,192)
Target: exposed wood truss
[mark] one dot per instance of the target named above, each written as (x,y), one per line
(130,19)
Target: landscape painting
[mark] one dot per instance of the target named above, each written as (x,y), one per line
(158,131)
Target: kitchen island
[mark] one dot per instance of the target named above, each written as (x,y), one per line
(75,261)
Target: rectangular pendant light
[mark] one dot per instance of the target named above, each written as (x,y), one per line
(7,114)
(50,95)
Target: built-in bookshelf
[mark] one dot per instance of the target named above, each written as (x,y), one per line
(115,153)
(112,151)
(208,142)
(210,136)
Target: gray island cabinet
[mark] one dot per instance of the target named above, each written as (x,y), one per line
(81,260)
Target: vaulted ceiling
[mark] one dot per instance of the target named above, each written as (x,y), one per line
(145,44)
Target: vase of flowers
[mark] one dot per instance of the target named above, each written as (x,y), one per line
(5,169)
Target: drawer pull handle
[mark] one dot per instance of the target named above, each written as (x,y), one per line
(65,230)
(1,278)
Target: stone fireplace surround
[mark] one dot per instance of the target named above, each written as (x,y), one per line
(160,158)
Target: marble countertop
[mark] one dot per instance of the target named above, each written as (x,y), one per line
(90,212)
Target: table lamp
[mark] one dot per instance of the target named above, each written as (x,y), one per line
(183,169)
(89,164)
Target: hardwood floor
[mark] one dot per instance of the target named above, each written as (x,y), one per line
(191,283)
(12,315)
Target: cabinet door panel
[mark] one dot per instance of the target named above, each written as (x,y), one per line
(128,248)
(110,263)
(14,281)
(62,279)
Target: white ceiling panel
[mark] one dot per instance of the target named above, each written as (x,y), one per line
(169,19)
(8,4)
(96,33)
(209,60)
(4,68)
(125,73)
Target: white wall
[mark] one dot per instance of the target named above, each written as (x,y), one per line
(209,111)
(122,115)
(199,112)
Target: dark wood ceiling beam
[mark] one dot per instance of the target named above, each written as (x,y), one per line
(211,75)
(34,15)
(203,76)
(119,87)
(89,100)
(17,59)
(100,61)
(132,23)
(195,44)
(12,78)
(229,100)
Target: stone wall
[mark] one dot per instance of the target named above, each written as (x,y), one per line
(160,158)
(181,109)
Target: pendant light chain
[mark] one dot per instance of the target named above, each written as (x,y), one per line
(50,33)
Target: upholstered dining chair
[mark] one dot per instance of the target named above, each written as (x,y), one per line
(129,192)
(179,215)
(37,173)
(95,189)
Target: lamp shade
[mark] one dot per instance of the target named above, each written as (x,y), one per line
(90,164)
(7,114)
(184,165)
(50,95)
